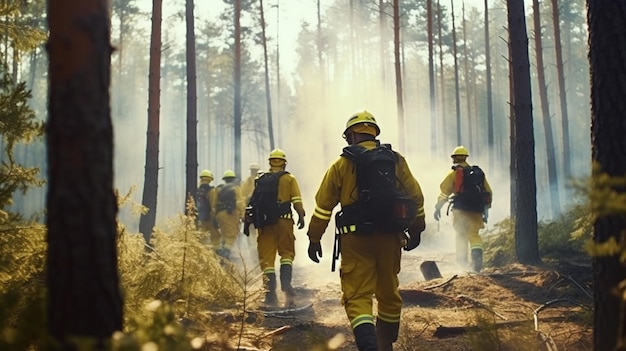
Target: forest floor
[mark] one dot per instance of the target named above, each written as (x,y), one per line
(516,307)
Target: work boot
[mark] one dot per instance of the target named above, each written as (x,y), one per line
(387,334)
(477,259)
(271,300)
(285,283)
(365,337)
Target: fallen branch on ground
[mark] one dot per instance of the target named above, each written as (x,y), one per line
(481,305)
(277,331)
(441,284)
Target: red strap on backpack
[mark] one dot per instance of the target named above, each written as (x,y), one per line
(458,179)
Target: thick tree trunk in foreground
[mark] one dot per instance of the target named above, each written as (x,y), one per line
(607,58)
(83,283)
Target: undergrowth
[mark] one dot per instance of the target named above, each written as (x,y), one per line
(169,286)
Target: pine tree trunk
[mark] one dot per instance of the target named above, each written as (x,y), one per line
(84,298)
(562,91)
(237,110)
(457,97)
(431,79)
(490,129)
(151,172)
(191,167)
(553,184)
(526,242)
(268,98)
(607,45)
(399,92)
(442,80)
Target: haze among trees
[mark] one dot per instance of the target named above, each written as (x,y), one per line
(131,106)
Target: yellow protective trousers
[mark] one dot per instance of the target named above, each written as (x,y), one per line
(370,265)
(467,225)
(229,227)
(274,238)
(215,237)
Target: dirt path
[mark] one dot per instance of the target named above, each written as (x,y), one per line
(495,310)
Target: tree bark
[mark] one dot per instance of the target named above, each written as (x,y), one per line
(431,79)
(399,92)
(151,173)
(459,136)
(562,90)
(82,278)
(268,98)
(553,183)
(607,45)
(191,171)
(490,132)
(237,113)
(526,242)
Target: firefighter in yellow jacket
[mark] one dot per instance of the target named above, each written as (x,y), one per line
(229,211)
(205,197)
(469,210)
(276,235)
(247,188)
(370,262)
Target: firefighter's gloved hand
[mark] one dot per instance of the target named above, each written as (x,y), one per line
(485,214)
(437,214)
(315,251)
(415,234)
(300,222)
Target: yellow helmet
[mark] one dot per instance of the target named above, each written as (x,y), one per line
(277,153)
(460,151)
(206,173)
(254,166)
(364,118)
(229,174)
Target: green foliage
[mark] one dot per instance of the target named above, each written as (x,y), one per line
(17,124)
(567,236)
(15,25)
(22,287)
(169,285)
(607,199)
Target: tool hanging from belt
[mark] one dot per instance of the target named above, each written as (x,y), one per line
(336,248)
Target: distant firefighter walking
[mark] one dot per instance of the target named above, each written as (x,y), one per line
(269,210)
(469,192)
(205,196)
(229,208)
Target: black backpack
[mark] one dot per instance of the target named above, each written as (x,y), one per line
(381,205)
(226,198)
(264,206)
(470,194)
(202,202)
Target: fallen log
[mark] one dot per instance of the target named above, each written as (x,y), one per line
(447,332)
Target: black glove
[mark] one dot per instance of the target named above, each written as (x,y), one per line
(415,234)
(315,251)
(300,222)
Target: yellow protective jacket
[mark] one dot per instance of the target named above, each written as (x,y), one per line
(247,188)
(339,186)
(240,207)
(448,184)
(289,190)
